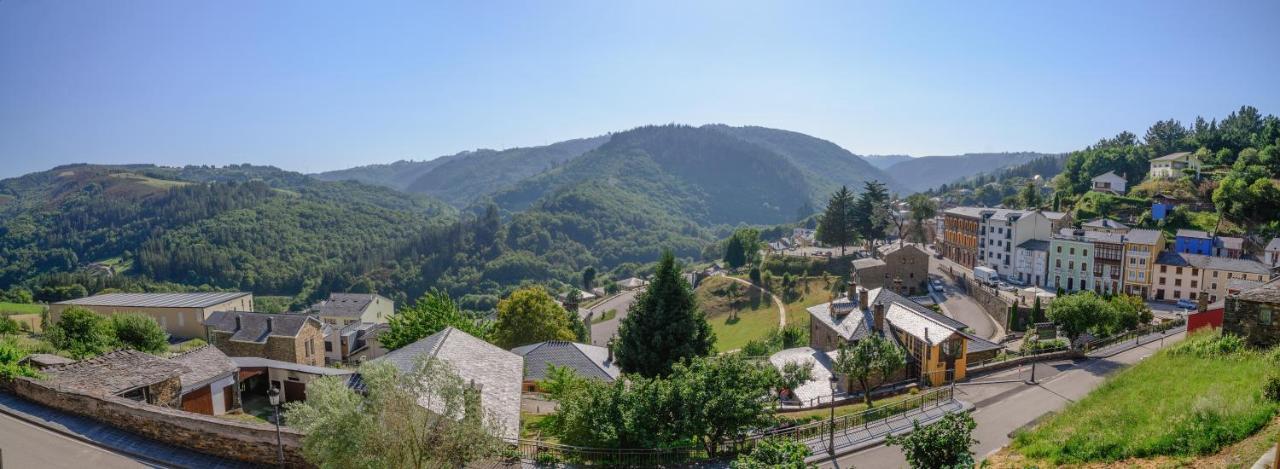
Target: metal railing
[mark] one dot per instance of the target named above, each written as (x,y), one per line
(845,423)
(1011,355)
(1135,335)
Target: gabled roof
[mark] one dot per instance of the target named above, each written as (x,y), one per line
(588,361)
(909,316)
(632,282)
(496,372)
(1175,156)
(1266,293)
(1142,236)
(352,305)
(205,364)
(1109,175)
(156,300)
(1184,233)
(867,262)
(906,248)
(1230,242)
(1180,259)
(1034,245)
(256,327)
(114,372)
(1105,223)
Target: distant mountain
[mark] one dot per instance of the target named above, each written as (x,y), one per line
(885,161)
(463,178)
(924,173)
(827,165)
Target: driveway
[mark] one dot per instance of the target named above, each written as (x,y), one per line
(601,332)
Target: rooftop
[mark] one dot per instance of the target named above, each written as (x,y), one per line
(1274,245)
(866,262)
(156,300)
(901,312)
(259,362)
(1106,223)
(205,364)
(1192,234)
(1142,236)
(1266,293)
(1173,156)
(346,304)
(115,372)
(588,361)
(256,327)
(1108,175)
(1034,245)
(1200,261)
(1230,242)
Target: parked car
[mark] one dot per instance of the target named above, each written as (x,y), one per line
(1186,304)
(1006,287)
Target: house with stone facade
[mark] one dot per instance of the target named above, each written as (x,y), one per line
(1254,314)
(342,309)
(901,267)
(211,384)
(125,373)
(296,338)
(179,314)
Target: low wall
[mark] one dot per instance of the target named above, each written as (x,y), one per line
(1014,362)
(990,300)
(251,442)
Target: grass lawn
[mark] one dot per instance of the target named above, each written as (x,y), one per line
(817,291)
(1169,405)
(756,313)
(531,426)
(19,308)
(605,316)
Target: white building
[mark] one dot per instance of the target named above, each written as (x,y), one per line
(1031,259)
(1109,182)
(1271,256)
(1170,166)
(1000,230)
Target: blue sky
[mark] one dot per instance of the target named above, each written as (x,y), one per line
(315,85)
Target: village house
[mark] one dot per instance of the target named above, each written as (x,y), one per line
(1228,246)
(211,385)
(354,343)
(1188,276)
(126,373)
(1254,314)
(1171,166)
(259,375)
(1105,225)
(1069,259)
(586,361)
(1141,249)
(1108,261)
(495,373)
(1031,262)
(179,314)
(342,309)
(901,267)
(1109,182)
(296,338)
(1193,242)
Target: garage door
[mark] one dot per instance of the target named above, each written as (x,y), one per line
(199,401)
(294,391)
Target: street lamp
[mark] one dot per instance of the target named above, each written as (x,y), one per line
(831,431)
(274,396)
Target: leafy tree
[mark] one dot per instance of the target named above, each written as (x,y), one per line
(754,275)
(942,445)
(1030,197)
(836,226)
(749,238)
(872,212)
(589,278)
(1079,312)
(10,354)
(389,425)
(1128,312)
(922,208)
(560,381)
(783,453)
(612,287)
(721,398)
(581,331)
(138,332)
(663,326)
(530,315)
(430,314)
(734,256)
(80,332)
(794,374)
(871,362)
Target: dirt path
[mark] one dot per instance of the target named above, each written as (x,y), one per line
(782,309)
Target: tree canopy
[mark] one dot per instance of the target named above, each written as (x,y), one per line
(663,326)
(837,226)
(432,313)
(528,316)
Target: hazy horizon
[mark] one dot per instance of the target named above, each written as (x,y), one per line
(318,86)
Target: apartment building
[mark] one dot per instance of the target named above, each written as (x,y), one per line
(1000,230)
(960,234)
(1187,276)
(1108,261)
(1069,261)
(1031,262)
(1141,248)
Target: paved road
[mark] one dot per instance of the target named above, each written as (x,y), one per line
(961,306)
(1004,406)
(601,332)
(26,445)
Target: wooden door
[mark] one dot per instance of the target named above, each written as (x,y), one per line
(199,401)
(294,391)
(229,397)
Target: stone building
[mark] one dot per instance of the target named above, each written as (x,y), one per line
(125,373)
(295,338)
(210,386)
(1255,315)
(342,309)
(179,314)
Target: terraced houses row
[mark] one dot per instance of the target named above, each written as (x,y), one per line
(1041,248)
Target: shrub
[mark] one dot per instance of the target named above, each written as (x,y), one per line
(10,354)
(138,332)
(1210,345)
(1272,388)
(774,453)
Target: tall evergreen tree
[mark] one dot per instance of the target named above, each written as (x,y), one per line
(871,212)
(664,326)
(734,256)
(589,278)
(836,227)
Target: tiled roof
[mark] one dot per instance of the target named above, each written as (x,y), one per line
(1105,223)
(1274,245)
(41,360)
(632,282)
(859,264)
(1173,156)
(1201,261)
(1142,236)
(205,364)
(115,372)
(1184,233)
(346,304)
(922,327)
(1034,245)
(1266,293)
(588,361)
(156,300)
(255,327)
(497,372)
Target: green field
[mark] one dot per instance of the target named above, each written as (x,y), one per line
(18,308)
(756,313)
(808,292)
(1177,405)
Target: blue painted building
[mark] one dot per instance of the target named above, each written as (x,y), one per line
(1193,242)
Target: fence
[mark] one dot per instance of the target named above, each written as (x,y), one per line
(1135,334)
(843,423)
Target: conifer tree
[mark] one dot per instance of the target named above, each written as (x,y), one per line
(664,326)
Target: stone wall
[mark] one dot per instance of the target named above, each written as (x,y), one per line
(989,299)
(285,349)
(1242,318)
(251,442)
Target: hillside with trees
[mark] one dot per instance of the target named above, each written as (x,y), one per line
(929,172)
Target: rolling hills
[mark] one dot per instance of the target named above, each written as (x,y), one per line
(928,172)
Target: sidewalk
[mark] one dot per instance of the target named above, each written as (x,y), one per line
(145,450)
(857,438)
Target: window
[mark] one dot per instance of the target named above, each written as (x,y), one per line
(1215,274)
(1073,251)
(1265,316)
(1071,265)
(1059,249)
(1058,263)
(1086,253)
(1177,282)
(328,346)
(1084,266)
(1179,271)
(1213,286)
(1195,271)
(1194,283)
(1164,268)
(1162,280)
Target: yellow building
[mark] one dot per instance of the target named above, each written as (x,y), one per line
(1141,249)
(180,314)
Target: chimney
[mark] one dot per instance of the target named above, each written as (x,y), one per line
(879,317)
(853,286)
(237,329)
(269,325)
(862,299)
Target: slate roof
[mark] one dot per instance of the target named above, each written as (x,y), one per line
(1266,293)
(42,360)
(351,305)
(497,372)
(205,364)
(1184,233)
(978,344)
(1201,261)
(254,326)
(1173,156)
(900,311)
(259,362)
(114,372)
(859,264)
(1106,223)
(1034,245)
(156,300)
(1142,236)
(1230,242)
(1274,245)
(1098,236)
(588,361)
(887,249)
(818,385)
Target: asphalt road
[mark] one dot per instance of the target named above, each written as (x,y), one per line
(601,332)
(962,307)
(24,445)
(1006,404)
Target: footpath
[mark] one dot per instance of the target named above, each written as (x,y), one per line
(857,438)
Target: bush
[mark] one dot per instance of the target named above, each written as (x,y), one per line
(1272,389)
(774,452)
(10,354)
(1210,345)
(138,332)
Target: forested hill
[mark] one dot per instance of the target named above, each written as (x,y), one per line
(928,172)
(826,165)
(884,161)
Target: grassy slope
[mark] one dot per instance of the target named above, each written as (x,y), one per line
(1170,405)
(796,302)
(17,308)
(756,316)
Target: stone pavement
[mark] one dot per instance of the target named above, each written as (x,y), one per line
(146,451)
